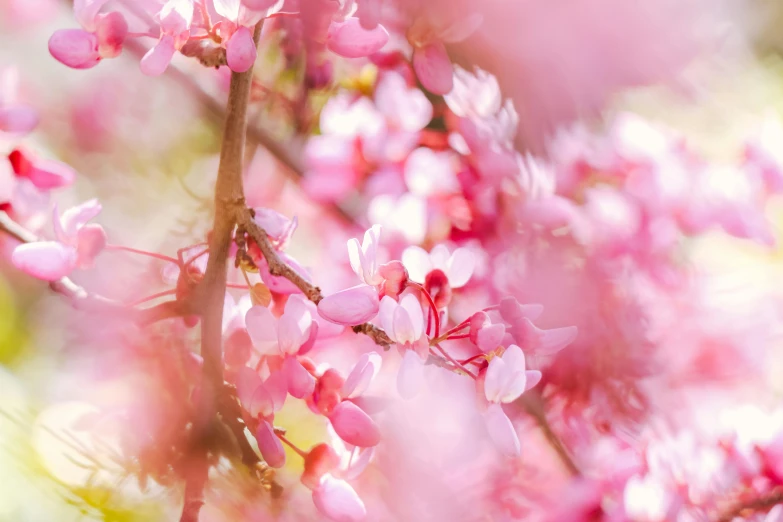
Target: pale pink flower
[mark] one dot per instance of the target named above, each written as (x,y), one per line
(76,246)
(278,227)
(15,116)
(293,333)
(349,39)
(457,266)
(406,215)
(361,375)
(405,108)
(174,17)
(102,36)
(350,307)
(43,173)
(403,322)
(484,334)
(354,426)
(431,173)
(363,257)
(261,399)
(269,445)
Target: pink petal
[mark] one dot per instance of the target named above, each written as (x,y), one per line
(91,240)
(402,327)
(86,11)
(417,263)
(75,48)
(228,9)
(369,13)
(241,50)
(246,382)
(261,403)
(514,358)
(277,386)
(350,307)
(354,426)
(501,431)
(410,376)
(300,382)
(292,332)
(495,379)
(362,374)
(262,327)
(259,5)
(47,260)
(460,267)
(386,314)
(433,68)
(358,463)
(49,174)
(337,501)
(412,307)
(532,377)
(490,337)
(511,311)
(351,40)
(280,284)
(462,28)
(18,119)
(269,445)
(76,217)
(157,59)
(545,342)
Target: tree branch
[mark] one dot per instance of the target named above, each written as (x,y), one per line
(533,404)
(749,507)
(229,196)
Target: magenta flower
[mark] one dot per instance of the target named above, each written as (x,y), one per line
(76,246)
(102,36)
(15,117)
(44,174)
(175,18)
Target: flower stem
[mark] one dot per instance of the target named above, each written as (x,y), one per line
(121,248)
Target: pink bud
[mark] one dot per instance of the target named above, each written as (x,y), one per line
(269,445)
(90,241)
(241,50)
(111,31)
(337,501)
(350,307)
(158,58)
(354,426)
(395,278)
(47,260)
(351,40)
(75,48)
(433,68)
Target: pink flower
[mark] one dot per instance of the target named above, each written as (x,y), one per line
(362,374)
(102,36)
(15,117)
(175,18)
(505,380)
(293,333)
(269,445)
(338,501)
(350,307)
(484,334)
(236,29)
(77,245)
(457,266)
(363,257)
(403,322)
(535,340)
(354,426)
(277,226)
(261,399)
(429,173)
(405,108)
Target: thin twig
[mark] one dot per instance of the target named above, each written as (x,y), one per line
(749,507)
(534,406)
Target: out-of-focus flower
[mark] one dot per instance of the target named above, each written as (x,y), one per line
(102,36)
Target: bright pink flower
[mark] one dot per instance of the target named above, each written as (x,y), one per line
(363,257)
(77,245)
(350,307)
(338,501)
(15,117)
(457,266)
(102,36)
(349,39)
(506,378)
(354,426)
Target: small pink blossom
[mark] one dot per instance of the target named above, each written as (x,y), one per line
(175,17)
(237,20)
(278,227)
(362,374)
(76,246)
(338,501)
(102,36)
(484,334)
(506,378)
(354,426)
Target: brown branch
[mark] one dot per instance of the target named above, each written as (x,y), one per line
(533,404)
(81,299)
(277,267)
(749,507)
(211,291)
